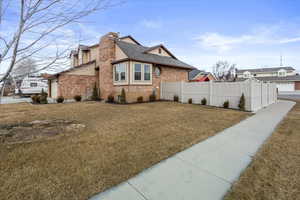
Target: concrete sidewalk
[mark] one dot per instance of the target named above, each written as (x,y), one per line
(207,169)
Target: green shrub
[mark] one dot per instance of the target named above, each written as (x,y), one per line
(226,104)
(152,97)
(176,98)
(43,99)
(43,93)
(123,96)
(242,103)
(110,99)
(35,99)
(190,100)
(96,93)
(60,99)
(77,98)
(204,101)
(140,99)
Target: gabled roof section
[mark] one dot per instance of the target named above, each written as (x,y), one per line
(194,73)
(269,69)
(136,52)
(52,76)
(131,38)
(160,46)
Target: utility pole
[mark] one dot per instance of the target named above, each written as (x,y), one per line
(281,64)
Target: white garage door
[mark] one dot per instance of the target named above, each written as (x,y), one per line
(286,87)
(54,88)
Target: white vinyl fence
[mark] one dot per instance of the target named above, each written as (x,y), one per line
(257,94)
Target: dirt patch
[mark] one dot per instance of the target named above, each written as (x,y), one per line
(37,130)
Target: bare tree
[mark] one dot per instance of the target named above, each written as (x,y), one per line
(223,70)
(35,29)
(24,67)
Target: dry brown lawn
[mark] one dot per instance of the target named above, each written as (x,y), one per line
(275,171)
(118,142)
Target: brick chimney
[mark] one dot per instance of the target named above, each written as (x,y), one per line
(106,56)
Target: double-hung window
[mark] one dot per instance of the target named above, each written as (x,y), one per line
(147,72)
(142,72)
(138,72)
(120,72)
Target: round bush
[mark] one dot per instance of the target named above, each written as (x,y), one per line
(77,98)
(60,99)
(176,98)
(140,99)
(204,101)
(110,99)
(152,97)
(226,104)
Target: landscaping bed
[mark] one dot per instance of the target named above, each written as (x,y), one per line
(115,143)
(275,170)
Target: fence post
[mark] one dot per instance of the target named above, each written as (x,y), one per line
(161,90)
(268,93)
(250,94)
(210,93)
(181,91)
(261,95)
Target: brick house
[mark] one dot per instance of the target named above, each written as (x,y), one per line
(201,76)
(116,63)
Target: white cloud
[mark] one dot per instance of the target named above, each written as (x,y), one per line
(152,24)
(290,40)
(222,42)
(262,36)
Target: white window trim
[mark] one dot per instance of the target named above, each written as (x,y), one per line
(283,73)
(140,82)
(247,74)
(124,82)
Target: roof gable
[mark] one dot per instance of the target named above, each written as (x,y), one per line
(137,53)
(129,39)
(194,73)
(160,46)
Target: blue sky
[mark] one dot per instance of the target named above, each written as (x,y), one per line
(248,33)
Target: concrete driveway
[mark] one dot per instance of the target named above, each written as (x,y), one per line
(9,100)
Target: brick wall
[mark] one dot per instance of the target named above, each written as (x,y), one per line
(297,85)
(71,85)
(168,74)
(106,56)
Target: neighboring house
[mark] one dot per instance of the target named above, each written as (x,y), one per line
(200,76)
(286,78)
(116,63)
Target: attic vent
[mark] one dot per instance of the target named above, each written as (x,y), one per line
(159,50)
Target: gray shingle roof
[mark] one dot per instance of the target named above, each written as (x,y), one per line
(274,78)
(269,69)
(194,73)
(137,52)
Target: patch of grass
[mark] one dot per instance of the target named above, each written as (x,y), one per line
(117,143)
(275,170)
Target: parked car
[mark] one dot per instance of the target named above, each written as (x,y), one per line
(32,85)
